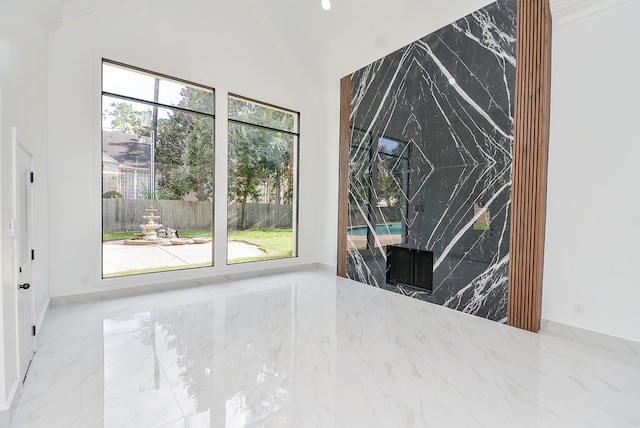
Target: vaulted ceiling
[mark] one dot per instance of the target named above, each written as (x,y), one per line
(327,45)
(323,45)
(331,44)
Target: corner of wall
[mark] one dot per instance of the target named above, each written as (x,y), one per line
(8,408)
(590,278)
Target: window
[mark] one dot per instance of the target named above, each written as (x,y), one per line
(262,190)
(378,191)
(157,172)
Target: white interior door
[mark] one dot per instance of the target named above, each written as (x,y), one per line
(23,227)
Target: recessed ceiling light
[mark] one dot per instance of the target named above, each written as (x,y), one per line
(326,4)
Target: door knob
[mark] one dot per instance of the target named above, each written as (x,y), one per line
(25,286)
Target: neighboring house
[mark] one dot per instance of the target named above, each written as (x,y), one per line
(110,173)
(126,162)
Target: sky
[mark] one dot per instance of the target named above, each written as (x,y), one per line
(136,85)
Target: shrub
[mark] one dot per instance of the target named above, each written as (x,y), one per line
(112,194)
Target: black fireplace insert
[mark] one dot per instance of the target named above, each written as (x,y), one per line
(410,266)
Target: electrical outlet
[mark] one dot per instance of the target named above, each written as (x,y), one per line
(578,309)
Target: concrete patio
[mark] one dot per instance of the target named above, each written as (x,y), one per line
(118,257)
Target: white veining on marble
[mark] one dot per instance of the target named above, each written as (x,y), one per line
(465,96)
(468,226)
(308,349)
(436,116)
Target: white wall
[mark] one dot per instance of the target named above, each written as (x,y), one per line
(593,230)
(214,43)
(23,79)
(328,193)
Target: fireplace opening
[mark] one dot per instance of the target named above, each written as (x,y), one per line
(410,266)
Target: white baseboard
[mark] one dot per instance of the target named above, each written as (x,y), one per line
(8,409)
(41,322)
(326,268)
(626,349)
(98,295)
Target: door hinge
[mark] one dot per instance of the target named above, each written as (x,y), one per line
(31,177)
(33,254)
(33,330)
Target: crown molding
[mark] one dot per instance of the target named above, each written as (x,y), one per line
(565,11)
(77,9)
(79,13)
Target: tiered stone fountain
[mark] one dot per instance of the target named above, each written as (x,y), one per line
(149,231)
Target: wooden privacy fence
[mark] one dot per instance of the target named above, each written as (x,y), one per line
(126,214)
(260,215)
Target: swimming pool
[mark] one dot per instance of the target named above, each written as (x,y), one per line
(381,229)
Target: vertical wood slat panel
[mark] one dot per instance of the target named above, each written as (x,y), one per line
(518,269)
(530,179)
(537,90)
(529,138)
(530,149)
(343,175)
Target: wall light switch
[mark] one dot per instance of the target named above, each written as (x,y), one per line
(12,227)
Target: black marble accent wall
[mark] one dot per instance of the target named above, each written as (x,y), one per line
(430,160)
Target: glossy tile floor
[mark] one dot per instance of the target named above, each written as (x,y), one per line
(308,349)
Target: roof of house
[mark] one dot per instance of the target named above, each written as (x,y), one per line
(108,159)
(127,149)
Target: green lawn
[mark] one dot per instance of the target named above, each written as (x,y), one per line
(276,243)
(117,236)
(187,233)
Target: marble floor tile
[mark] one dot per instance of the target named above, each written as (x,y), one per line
(307,349)
(53,400)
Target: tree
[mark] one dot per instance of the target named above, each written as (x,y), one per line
(184,149)
(259,158)
(248,149)
(125,119)
(392,164)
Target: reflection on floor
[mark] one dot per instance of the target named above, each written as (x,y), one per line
(308,349)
